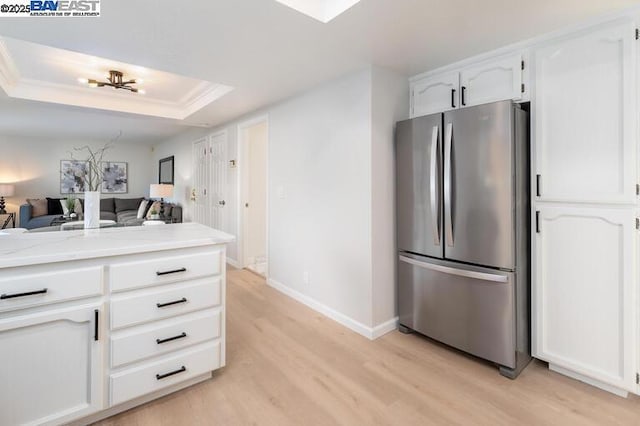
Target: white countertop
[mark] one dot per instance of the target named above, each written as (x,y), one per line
(47,247)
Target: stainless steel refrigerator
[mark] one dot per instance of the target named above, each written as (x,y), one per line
(462,224)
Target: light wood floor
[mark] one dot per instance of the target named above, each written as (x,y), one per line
(288,365)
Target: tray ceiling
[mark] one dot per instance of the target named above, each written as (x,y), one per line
(41,73)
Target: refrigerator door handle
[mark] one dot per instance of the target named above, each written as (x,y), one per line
(454,271)
(448,189)
(433,187)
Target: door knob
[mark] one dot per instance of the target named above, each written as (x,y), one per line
(222,203)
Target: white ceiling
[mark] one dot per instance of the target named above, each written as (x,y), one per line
(48,74)
(268,51)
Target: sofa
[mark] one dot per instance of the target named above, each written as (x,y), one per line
(120,210)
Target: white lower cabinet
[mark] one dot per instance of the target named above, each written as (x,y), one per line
(51,369)
(164,372)
(584,292)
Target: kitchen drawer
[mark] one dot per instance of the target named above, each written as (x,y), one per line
(170,370)
(156,304)
(164,336)
(175,266)
(27,290)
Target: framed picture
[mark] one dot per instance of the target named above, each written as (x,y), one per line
(114,177)
(73,176)
(166,171)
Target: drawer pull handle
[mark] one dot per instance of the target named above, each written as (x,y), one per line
(169,339)
(175,302)
(173,271)
(165,375)
(29,293)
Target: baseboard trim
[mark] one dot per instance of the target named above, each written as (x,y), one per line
(384,328)
(370,333)
(233,263)
(593,382)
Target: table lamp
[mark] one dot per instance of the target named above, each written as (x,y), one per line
(6,190)
(162,191)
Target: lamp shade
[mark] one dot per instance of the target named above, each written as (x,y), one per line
(160,191)
(7,190)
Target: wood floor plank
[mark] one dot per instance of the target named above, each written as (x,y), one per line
(289,365)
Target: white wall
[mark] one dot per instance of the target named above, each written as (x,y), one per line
(390,104)
(33,164)
(331,198)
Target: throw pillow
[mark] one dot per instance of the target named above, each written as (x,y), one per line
(78,208)
(123,204)
(54,206)
(38,207)
(65,209)
(155,206)
(142,209)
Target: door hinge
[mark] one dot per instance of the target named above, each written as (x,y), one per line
(522,65)
(637,223)
(537,222)
(637,33)
(637,188)
(638,378)
(522,88)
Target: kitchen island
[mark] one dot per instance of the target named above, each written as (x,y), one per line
(95,322)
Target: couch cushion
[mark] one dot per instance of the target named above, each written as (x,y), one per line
(38,206)
(104,215)
(126,215)
(107,205)
(39,222)
(54,206)
(123,204)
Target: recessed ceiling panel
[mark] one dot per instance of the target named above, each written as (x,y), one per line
(322,10)
(42,73)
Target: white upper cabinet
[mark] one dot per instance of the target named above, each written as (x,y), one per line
(435,94)
(491,81)
(496,79)
(584,121)
(583,297)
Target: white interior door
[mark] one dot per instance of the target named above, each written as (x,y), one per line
(255,197)
(201,181)
(217,205)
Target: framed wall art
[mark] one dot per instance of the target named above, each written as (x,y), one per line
(73,176)
(114,177)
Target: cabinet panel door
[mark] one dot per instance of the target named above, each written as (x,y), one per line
(584,121)
(50,367)
(435,94)
(492,81)
(584,292)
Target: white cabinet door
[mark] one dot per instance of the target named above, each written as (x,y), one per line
(435,94)
(51,366)
(491,81)
(583,292)
(584,117)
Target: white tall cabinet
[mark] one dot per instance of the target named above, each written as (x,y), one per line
(584,177)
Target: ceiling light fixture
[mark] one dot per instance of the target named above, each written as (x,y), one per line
(116,81)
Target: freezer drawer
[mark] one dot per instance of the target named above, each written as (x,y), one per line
(469,308)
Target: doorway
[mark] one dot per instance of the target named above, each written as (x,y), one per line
(253,141)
